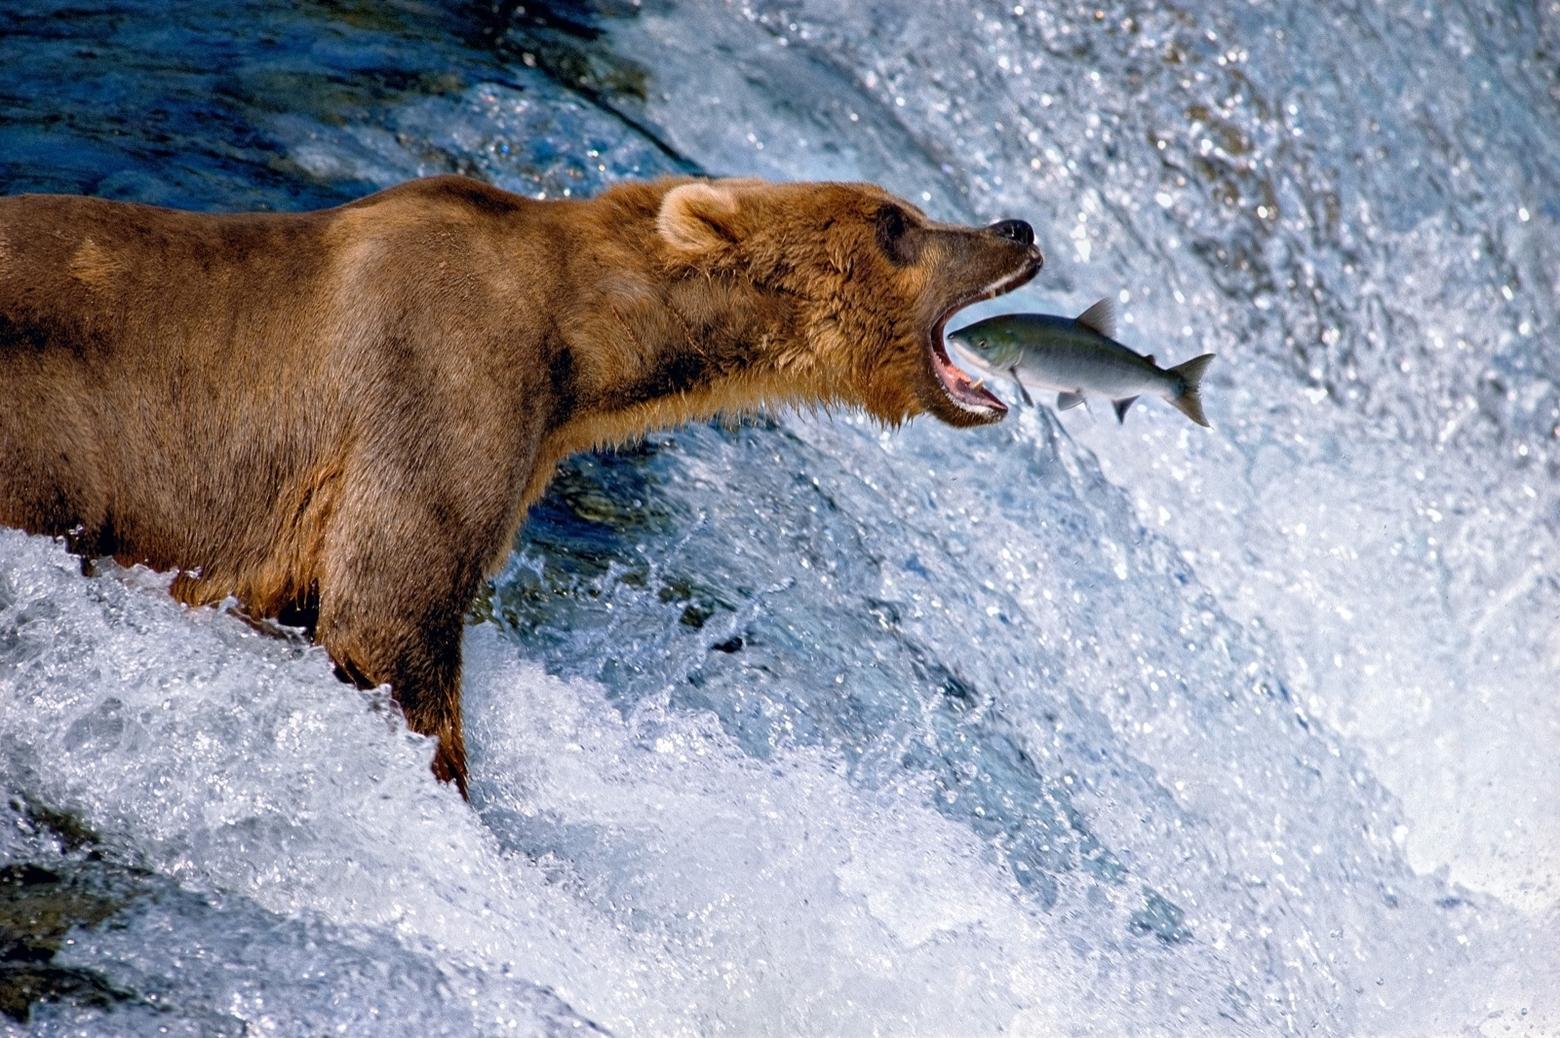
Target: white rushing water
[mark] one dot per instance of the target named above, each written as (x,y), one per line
(1057,728)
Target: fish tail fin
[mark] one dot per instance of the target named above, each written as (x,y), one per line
(1188,398)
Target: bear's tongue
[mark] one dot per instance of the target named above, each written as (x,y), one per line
(970,395)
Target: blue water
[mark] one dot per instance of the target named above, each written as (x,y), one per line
(1056,728)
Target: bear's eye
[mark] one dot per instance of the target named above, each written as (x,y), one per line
(893,226)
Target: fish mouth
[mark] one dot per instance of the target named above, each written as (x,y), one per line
(955,397)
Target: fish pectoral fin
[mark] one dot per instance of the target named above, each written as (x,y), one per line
(1121,407)
(1151,360)
(1021,390)
(1068,401)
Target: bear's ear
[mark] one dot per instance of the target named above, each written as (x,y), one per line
(701,217)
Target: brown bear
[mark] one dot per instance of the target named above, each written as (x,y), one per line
(341,417)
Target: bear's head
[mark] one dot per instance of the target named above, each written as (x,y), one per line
(867,279)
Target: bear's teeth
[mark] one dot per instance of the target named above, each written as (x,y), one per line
(971,396)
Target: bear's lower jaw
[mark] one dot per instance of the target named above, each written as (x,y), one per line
(975,403)
(953,397)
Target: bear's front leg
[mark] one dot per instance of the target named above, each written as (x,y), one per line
(376,638)
(393,598)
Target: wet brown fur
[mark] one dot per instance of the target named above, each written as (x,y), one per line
(343,416)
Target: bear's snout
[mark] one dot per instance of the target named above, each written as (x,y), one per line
(1016,230)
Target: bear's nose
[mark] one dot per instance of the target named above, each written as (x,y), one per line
(1017,230)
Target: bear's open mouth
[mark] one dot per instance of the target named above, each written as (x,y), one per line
(966,393)
(971,396)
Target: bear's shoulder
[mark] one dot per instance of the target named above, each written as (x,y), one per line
(452,189)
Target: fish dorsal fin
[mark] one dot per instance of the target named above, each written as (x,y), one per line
(1101,317)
